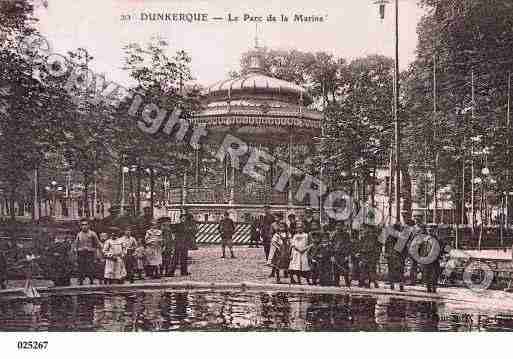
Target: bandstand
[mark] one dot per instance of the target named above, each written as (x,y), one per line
(265,113)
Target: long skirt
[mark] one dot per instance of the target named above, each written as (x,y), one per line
(115,268)
(299,261)
(281,257)
(154,255)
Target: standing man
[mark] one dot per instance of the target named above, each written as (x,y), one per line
(130,260)
(414,228)
(86,244)
(395,258)
(431,271)
(182,243)
(266,231)
(342,254)
(167,253)
(192,228)
(227,228)
(255,233)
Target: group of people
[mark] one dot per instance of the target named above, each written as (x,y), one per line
(300,249)
(123,255)
(294,249)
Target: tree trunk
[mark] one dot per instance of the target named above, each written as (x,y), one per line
(373,188)
(86,199)
(152,188)
(406,192)
(12,209)
(120,184)
(138,193)
(131,193)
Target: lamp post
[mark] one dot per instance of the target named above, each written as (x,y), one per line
(397,128)
(52,189)
(482,182)
(123,171)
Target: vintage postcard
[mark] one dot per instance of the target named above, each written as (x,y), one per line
(264,166)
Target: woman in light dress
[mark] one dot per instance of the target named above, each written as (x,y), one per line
(299,266)
(153,241)
(114,251)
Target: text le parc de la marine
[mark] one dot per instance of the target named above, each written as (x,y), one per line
(146,16)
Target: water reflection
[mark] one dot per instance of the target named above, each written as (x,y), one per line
(214,310)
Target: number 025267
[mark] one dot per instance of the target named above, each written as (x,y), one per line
(32,345)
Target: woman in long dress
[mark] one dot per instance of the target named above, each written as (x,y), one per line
(280,248)
(114,251)
(299,265)
(153,240)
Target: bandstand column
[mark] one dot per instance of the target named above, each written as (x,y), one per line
(184,189)
(289,194)
(232,187)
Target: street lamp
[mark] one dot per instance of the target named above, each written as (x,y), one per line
(397,128)
(382,4)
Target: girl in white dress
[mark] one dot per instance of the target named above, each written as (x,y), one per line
(299,255)
(114,251)
(153,241)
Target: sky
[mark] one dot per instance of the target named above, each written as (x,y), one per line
(351,29)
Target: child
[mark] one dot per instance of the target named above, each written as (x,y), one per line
(299,255)
(100,259)
(114,250)
(140,254)
(280,247)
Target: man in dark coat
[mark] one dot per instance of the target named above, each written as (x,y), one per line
(3,269)
(167,248)
(342,254)
(226,229)
(182,244)
(192,228)
(255,233)
(61,264)
(431,271)
(370,252)
(266,231)
(395,259)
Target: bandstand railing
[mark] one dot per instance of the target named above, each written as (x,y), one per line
(198,195)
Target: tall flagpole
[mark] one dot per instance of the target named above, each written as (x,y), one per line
(397,127)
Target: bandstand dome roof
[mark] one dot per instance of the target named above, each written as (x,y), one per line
(256,81)
(259,108)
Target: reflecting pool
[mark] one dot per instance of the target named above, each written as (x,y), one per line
(171,310)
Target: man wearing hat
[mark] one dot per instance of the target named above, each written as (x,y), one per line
(266,231)
(182,243)
(227,228)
